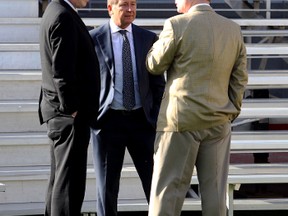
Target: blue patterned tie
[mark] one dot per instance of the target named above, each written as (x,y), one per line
(128,81)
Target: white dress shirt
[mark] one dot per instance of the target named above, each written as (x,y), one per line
(117,41)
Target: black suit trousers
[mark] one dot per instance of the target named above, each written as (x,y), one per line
(69,142)
(121,130)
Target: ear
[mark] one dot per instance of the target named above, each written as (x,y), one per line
(109,8)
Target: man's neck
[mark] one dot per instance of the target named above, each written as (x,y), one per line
(200,2)
(70,4)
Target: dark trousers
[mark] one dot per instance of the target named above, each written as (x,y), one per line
(121,130)
(69,142)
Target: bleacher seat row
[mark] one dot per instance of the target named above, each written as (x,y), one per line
(23,180)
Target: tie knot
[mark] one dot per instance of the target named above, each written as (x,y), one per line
(122,32)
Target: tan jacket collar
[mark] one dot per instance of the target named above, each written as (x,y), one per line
(200,7)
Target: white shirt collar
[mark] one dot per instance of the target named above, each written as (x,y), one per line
(198,5)
(69,3)
(115,28)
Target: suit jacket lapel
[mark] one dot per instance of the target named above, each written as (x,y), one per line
(138,42)
(105,44)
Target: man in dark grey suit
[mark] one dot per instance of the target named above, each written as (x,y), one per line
(121,127)
(68,102)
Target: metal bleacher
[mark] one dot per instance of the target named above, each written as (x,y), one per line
(24,149)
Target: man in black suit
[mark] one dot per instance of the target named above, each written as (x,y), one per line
(68,102)
(119,126)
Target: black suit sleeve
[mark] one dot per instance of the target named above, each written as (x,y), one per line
(64,49)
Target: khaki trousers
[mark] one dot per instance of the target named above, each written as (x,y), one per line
(176,153)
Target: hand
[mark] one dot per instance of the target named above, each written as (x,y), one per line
(74,114)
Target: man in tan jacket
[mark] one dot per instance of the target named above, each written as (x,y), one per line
(205,59)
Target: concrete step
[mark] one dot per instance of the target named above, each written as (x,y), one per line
(31,149)
(28,184)
(19,8)
(25,84)
(22,115)
(140,205)
(26,149)
(26,29)
(19,30)
(89,207)
(19,57)
(26,57)
(21,84)
(131,196)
